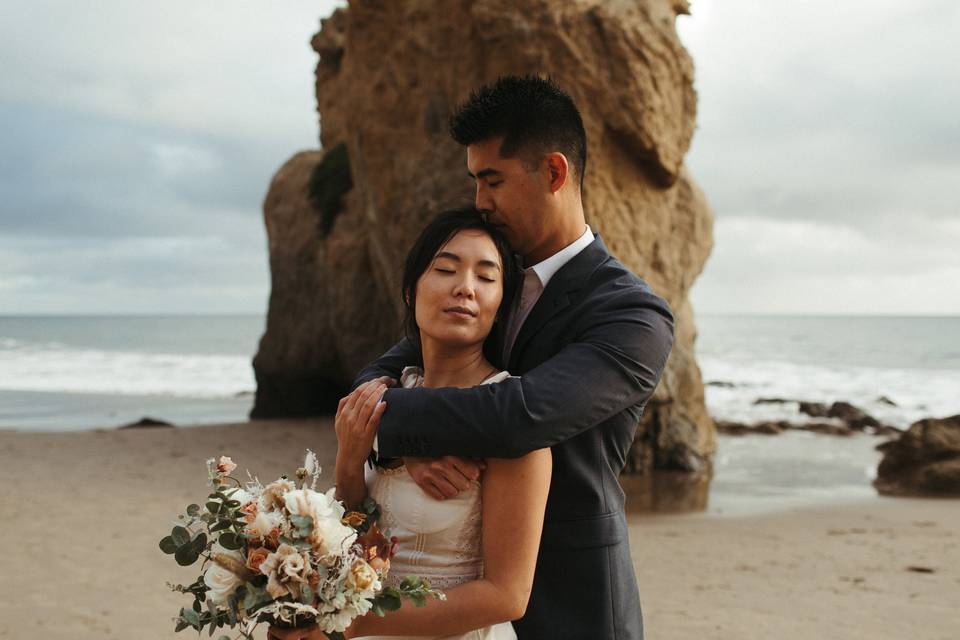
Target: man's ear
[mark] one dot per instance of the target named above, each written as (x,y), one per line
(558,170)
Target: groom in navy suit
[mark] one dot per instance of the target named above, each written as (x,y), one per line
(588,341)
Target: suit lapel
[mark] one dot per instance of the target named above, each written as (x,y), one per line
(556,297)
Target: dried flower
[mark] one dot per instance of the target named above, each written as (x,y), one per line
(354,519)
(225,465)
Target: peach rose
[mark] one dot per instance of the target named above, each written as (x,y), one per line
(256,557)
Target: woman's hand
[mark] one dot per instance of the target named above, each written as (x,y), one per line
(306,633)
(358,416)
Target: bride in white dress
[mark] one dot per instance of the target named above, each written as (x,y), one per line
(481,547)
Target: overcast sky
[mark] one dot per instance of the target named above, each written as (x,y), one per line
(139,140)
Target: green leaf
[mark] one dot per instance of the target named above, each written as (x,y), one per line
(193,510)
(168,546)
(200,542)
(410,583)
(214,507)
(180,536)
(186,555)
(230,540)
(388,602)
(221,525)
(191,616)
(233,504)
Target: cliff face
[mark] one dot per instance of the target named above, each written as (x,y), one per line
(341,221)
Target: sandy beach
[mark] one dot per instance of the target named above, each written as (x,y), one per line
(99,501)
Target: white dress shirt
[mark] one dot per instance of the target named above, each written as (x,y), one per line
(535,280)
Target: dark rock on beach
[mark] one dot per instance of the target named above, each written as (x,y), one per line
(923,461)
(814,409)
(772,401)
(146,422)
(776,427)
(887,401)
(856,418)
(740,429)
(721,384)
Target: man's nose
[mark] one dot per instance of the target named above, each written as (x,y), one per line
(483,201)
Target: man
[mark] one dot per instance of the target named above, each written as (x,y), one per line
(587,341)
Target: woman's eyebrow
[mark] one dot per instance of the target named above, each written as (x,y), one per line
(483,263)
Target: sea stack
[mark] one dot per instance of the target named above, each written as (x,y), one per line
(340,220)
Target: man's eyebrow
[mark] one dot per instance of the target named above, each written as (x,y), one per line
(483,173)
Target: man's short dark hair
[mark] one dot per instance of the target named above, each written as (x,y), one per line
(534,116)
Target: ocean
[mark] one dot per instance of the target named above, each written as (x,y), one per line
(82,372)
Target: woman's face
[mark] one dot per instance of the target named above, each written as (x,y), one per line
(459,293)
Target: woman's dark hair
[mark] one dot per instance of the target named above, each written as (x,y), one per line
(436,234)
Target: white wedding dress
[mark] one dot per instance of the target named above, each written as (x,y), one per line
(437,540)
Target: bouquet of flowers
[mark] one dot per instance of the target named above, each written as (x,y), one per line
(283,555)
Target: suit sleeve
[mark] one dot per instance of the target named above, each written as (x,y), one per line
(615,362)
(391,363)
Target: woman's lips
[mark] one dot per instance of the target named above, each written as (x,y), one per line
(460,312)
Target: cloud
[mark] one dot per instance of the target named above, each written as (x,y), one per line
(139,141)
(833,124)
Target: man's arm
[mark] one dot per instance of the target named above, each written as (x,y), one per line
(404,353)
(615,363)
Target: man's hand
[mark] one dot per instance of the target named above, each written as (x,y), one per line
(445,477)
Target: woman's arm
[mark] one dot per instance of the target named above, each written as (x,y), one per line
(356,424)
(514,499)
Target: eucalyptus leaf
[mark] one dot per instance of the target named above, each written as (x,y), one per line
(213,507)
(186,555)
(388,602)
(180,536)
(193,510)
(192,617)
(221,525)
(168,546)
(200,542)
(229,540)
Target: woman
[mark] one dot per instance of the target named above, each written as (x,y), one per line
(480,548)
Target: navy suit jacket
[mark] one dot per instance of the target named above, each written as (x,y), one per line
(588,358)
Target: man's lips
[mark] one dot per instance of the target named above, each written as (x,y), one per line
(461,311)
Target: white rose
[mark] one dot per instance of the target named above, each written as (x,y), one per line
(362,578)
(329,536)
(221,581)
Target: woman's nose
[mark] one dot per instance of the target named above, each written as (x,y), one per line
(464,287)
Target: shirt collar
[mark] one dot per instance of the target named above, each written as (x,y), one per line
(546,268)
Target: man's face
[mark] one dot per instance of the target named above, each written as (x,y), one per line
(512,196)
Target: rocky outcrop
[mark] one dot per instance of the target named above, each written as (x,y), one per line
(923,461)
(386,83)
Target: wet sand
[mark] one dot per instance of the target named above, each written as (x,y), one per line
(94,505)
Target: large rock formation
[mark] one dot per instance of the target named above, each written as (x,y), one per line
(389,74)
(923,461)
